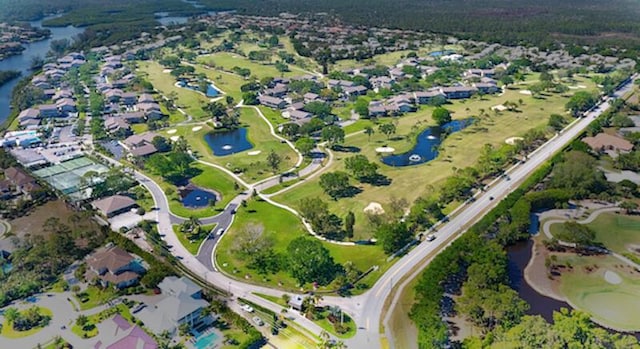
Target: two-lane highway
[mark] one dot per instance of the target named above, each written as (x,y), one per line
(367,309)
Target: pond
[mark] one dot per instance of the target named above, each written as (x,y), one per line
(196,197)
(211,90)
(426,148)
(441,53)
(228,142)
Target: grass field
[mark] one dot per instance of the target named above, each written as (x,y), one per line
(192,245)
(259,135)
(613,305)
(209,178)
(617,232)
(460,150)
(227,61)
(9,332)
(282,227)
(391,58)
(190,101)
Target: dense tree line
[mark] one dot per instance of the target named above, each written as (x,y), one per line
(8,75)
(512,22)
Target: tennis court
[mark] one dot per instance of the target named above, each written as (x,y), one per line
(67,177)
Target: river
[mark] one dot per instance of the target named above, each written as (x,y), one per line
(23,62)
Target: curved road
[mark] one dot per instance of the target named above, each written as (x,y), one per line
(367,309)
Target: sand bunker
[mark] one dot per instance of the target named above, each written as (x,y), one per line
(255,152)
(499,107)
(374,208)
(612,277)
(196,128)
(525,92)
(385,150)
(172,131)
(513,140)
(175,138)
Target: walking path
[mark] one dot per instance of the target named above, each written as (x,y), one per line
(546,228)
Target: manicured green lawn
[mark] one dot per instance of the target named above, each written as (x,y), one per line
(188,100)
(209,178)
(229,83)
(328,326)
(192,246)
(96,297)
(95,319)
(227,61)
(461,150)
(255,166)
(617,232)
(614,305)
(139,128)
(282,227)
(9,332)
(391,58)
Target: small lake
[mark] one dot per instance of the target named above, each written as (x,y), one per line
(441,53)
(23,62)
(170,20)
(211,91)
(195,197)
(228,142)
(426,148)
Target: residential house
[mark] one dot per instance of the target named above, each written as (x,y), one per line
(146,98)
(129,98)
(118,333)
(310,97)
(113,266)
(480,73)
(606,142)
(272,102)
(113,95)
(114,205)
(66,105)
(151,110)
(300,117)
(28,114)
(457,92)
(425,97)
(377,109)
(279,90)
(48,111)
(486,88)
(182,305)
(382,82)
(20,181)
(116,123)
(141,144)
(358,90)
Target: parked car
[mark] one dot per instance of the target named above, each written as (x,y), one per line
(431,237)
(247,308)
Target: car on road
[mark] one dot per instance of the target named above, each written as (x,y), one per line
(491,198)
(220,231)
(430,237)
(247,308)
(258,321)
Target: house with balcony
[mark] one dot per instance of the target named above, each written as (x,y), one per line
(113,266)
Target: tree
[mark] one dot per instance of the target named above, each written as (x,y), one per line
(578,173)
(215,109)
(310,261)
(11,314)
(290,130)
(369,131)
(82,321)
(387,129)
(319,109)
(441,115)
(361,107)
(335,184)
(361,168)
(333,134)
(393,236)
(556,122)
(581,101)
(250,98)
(577,233)
(305,145)
(349,222)
(274,160)
(629,206)
(161,144)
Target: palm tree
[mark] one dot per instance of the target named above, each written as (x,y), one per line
(11,314)
(369,131)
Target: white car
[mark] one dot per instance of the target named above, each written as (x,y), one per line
(220,231)
(430,237)
(247,308)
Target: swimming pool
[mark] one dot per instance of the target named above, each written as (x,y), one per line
(206,341)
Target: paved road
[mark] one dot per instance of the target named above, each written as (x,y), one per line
(367,309)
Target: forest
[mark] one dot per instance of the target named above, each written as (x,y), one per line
(509,22)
